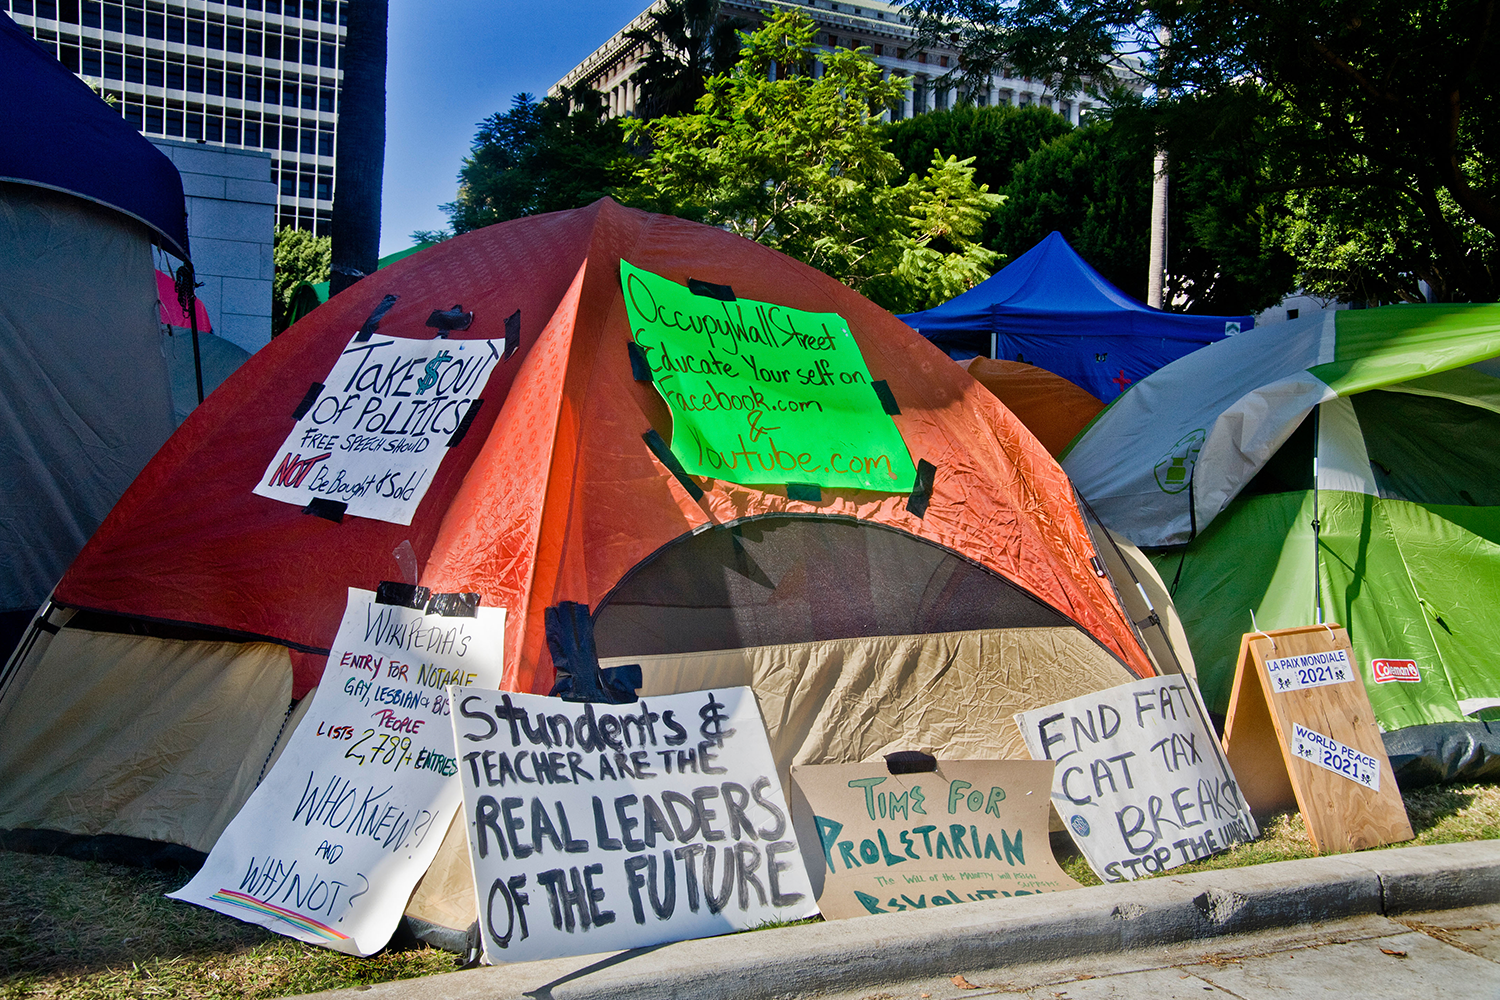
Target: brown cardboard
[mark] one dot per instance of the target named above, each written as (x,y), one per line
(876,842)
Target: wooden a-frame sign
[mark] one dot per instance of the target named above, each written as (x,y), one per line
(1300,731)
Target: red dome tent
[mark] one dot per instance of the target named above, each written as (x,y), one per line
(200,610)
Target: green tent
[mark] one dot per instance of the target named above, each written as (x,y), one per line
(308,296)
(1344,467)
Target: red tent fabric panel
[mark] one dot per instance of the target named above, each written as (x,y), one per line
(1050,406)
(553,495)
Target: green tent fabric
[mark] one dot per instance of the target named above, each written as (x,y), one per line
(1210,465)
(308,296)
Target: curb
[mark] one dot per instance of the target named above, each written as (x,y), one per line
(867,951)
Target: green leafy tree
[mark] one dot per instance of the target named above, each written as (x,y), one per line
(797,160)
(687,42)
(998,138)
(299,257)
(558,154)
(1378,100)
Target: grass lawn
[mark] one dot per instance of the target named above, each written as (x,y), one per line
(82,929)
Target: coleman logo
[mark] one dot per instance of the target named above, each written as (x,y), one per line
(1386,671)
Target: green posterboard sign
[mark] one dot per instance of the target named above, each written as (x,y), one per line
(761,393)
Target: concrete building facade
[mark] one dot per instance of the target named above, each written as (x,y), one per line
(880,27)
(231,205)
(242,74)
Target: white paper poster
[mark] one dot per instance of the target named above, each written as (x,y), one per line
(1331,755)
(373,434)
(1309,670)
(330,845)
(1141,780)
(603,827)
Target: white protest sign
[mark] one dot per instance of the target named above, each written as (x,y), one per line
(603,827)
(1295,673)
(1141,780)
(373,434)
(330,845)
(1331,755)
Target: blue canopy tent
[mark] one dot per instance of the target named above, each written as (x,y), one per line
(1049,308)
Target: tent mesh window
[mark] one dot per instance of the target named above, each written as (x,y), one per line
(776,580)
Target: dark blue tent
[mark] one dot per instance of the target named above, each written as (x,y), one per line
(1051,309)
(56,133)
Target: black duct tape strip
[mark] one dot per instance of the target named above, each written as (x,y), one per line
(806,492)
(664,455)
(910,762)
(887,398)
(921,492)
(640,368)
(444,320)
(512,334)
(313,392)
(463,425)
(402,595)
(331,510)
(461,605)
(721,292)
(373,323)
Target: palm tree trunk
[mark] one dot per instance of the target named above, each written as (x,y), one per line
(359,164)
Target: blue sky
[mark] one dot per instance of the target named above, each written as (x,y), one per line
(453,63)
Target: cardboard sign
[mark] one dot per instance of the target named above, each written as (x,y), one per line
(373,434)
(1141,782)
(603,827)
(329,847)
(878,842)
(1301,731)
(761,393)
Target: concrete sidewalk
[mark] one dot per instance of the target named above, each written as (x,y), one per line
(846,956)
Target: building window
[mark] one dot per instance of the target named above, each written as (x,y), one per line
(309,98)
(92,62)
(270,92)
(234,39)
(114,66)
(114,17)
(174,29)
(153,120)
(232,131)
(135,22)
(325,142)
(195,126)
(252,88)
(90,14)
(325,188)
(309,141)
(133,116)
(252,43)
(216,36)
(174,122)
(216,82)
(288,183)
(304,186)
(195,79)
(175,76)
(68,54)
(328,59)
(195,32)
(325,99)
(155,73)
(213,129)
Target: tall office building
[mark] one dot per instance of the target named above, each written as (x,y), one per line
(879,26)
(254,74)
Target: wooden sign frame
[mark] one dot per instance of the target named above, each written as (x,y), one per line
(1259,738)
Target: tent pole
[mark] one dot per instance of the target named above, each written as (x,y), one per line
(187,296)
(1316,527)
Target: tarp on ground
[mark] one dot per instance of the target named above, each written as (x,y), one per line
(1049,308)
(1210,462)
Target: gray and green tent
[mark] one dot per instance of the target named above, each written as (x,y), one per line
(1345,466)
